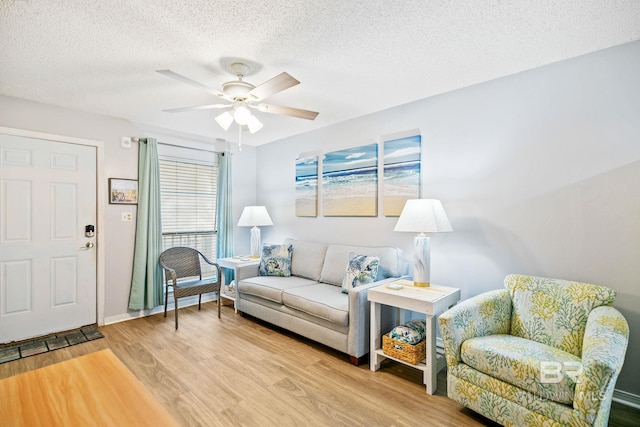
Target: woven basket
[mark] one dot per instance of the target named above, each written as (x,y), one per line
(404,351)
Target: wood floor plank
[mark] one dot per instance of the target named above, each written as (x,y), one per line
(238,371)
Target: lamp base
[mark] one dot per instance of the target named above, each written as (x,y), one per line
(421,264)
(255,242)
(421,284)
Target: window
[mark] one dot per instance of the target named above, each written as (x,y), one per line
(188,190)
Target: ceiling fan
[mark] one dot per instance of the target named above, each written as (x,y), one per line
(241,96)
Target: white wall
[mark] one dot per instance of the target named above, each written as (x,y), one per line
(539,173)
(121,163)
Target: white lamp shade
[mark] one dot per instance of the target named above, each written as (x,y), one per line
(254,124)
(254,216)
(423,216)
(224,120)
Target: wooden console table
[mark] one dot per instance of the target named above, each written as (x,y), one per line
(91,390)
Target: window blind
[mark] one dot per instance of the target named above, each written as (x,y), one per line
(188,193)
(188,197)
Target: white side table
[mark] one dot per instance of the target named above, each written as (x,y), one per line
(233,263)
(431,301)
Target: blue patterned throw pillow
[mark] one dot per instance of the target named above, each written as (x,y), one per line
(276,260)
(361,269)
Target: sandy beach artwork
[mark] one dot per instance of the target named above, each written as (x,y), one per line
(401,176)
(350,182)
(307,186)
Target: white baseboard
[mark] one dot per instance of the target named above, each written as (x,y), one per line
(184,302)
(626,398)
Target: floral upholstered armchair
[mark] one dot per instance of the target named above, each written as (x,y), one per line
(540,352)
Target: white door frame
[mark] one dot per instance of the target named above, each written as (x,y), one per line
(101,196)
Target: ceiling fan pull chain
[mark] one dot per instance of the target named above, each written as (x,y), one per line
(240,137)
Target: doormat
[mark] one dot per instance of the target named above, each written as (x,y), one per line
(47,343)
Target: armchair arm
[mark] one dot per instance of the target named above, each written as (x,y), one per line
(603,349)
(218,269)
(169,273)
(485,314)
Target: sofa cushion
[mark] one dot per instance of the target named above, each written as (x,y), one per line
(337,258)
(276,260)
(271,287)
(361,270)
(321,300)
(307,258)
(552,311)
(540,369)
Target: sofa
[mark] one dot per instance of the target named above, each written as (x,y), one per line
(540,352)
(311,300)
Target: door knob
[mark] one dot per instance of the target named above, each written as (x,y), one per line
(89,245)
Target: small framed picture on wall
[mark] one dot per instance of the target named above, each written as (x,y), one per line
(123,191)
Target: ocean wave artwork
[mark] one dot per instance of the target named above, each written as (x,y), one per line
(350,182)
(401,175)
(307,186)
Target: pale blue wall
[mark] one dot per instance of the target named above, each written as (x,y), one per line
(539,173)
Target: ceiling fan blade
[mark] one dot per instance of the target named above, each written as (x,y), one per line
(288,111)
(187,80)
(199,107)
(277,84)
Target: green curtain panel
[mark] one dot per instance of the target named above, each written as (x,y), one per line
(146,283)
(224,246)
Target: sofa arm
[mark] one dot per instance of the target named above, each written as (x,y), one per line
(246,271)
(485,314)
(603,349)
(359,317)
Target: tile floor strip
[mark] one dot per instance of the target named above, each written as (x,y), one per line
(41,345)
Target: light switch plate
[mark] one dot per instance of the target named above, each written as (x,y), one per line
(127,216)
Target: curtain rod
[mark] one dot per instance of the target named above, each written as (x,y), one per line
(190,148)
(144,140)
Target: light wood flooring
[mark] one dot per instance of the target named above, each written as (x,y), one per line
(238,371)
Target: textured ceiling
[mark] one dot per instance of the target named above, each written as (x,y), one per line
(352,57)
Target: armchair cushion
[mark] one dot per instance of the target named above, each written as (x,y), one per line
(553,311)
(521,362)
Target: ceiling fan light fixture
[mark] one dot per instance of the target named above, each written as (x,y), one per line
(254,124)
(241,115)
(224,120)
(243,95)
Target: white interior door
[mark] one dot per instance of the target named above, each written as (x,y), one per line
(47,265)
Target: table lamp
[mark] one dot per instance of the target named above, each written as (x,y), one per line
(254,216)
(422,216)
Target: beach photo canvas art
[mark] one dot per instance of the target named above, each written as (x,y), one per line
(401,176)
(350,182)
(307,186)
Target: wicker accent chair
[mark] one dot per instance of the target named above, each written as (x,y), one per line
(542,352)
(184,263)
